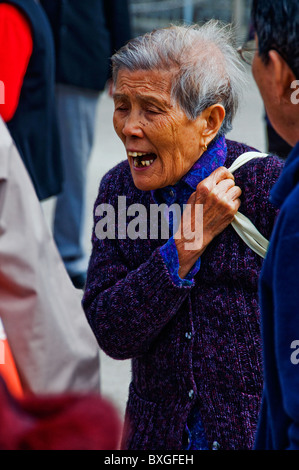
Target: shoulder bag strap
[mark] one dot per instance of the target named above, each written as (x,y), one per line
(242,225)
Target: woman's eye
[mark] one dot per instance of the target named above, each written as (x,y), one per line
(153,111)
(121,108)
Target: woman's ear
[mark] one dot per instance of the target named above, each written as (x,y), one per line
(214,116)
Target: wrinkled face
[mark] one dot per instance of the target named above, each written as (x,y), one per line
(162,144)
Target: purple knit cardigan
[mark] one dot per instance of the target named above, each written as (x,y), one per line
(136,311)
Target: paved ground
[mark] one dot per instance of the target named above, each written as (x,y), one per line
(107,151)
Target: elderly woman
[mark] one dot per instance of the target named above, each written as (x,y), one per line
(186,314)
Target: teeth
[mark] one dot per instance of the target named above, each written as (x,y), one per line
(143,163)
(136,154)
(138,163)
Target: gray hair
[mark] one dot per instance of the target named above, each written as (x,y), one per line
(207,69)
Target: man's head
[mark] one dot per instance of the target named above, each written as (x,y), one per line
(276,23)
(276,63)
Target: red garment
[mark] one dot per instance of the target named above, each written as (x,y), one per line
(63,422)
(16,46)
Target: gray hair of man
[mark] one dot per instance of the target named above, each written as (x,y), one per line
(206,66)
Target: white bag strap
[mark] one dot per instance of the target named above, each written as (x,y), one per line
(243,226)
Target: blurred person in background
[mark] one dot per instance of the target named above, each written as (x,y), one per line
(86,34)
(27,72)
(52,345)
(188,317)
(69,421)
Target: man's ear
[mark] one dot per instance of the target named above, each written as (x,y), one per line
(283,76)
(214,116)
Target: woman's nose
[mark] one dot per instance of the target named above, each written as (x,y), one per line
(133,125)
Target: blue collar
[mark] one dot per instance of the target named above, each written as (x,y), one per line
(212,159)
(288,179)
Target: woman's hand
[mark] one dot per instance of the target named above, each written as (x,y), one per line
(210,209)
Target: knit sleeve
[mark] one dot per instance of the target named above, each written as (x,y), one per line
(171,260)
(127,309)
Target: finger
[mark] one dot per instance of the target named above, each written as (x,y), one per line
(220,191)
(231,202)
(234,193)
(228,203)
(235,206)
(220,174)
(222,187)
(209,183)
(227,192)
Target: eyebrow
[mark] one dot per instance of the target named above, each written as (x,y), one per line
(144,98)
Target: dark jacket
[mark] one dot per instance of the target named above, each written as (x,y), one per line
(86,34)
(34,126)
(279,421)
(136,311)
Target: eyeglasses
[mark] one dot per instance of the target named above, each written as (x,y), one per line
(247,51)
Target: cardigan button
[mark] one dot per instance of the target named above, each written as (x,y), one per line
(215,445)
(188,335)
(191,394)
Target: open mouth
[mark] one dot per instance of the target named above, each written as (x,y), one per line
(141,159)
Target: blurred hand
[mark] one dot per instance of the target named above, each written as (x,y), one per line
(219,197)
